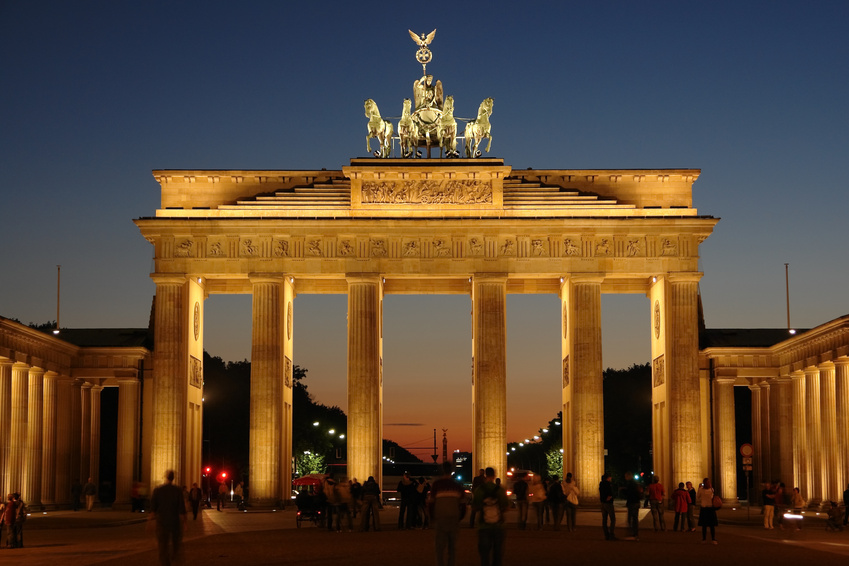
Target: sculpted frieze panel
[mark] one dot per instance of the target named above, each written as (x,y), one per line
(196,373)
(508,248)
(287,371)
(378,248)
(184,249)
(249,249)
(634,247)
(657,371)
(427,192)
(345,248)
(603,247)
(475,247)
(669,247)
(215,248)
(565,372)
(571,247)
(539,247)
(281,248)
(411,248)
(314,248)
(441,247)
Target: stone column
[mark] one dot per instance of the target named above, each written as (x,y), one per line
(726,438)
(365,377)
(757,439)
(5,418)
(64,428)
(85,434)
(800,435)
(48,441)
(766,440)
(813,418)
(170,368)
(831,489)
(31,488)
(587,385)
(128,434)
(266,391)
(75,459)
(784,423)
(841,370)
(17,428)
(683,369)
(94,450)
(489,373)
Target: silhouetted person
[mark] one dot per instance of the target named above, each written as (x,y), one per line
(168,510)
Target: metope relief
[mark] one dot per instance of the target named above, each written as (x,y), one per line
(281,248)
(184,249)
(215,249)
(475,247)
(633,248)
(378,248)
(314,248)
(602,247)
(508,248)
(411,248)
(196,373)
(441,248)
(570,248)
(539,248)
(427,192)
(668,247)
(345,248)
(249,249)
(657,371)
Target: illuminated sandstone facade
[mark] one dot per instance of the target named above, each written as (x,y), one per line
(800,407)
(457,226)
(50,412)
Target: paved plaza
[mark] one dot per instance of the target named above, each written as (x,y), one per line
(233,538)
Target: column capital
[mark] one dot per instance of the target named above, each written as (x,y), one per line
(266,277)
(169,278)
(363,278)
(826,365)
(589,278)
(725,380)
(812,370)
(685,276)
(842,362)
(86,385)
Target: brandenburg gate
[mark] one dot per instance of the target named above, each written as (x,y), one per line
(445,226)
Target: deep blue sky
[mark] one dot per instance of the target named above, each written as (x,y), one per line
(94,95)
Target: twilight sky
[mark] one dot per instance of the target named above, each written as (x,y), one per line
(96,94)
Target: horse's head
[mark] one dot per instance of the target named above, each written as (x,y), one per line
(448,105)
(405,109)
(486,107)
(371,108)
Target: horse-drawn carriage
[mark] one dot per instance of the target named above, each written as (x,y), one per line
(309,500)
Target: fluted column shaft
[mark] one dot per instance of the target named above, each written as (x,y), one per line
(800,435)
(757,440)
(587,386)
(831,489)
(18,428)
(31,489)
(726,438)
(85,434)
(365,377)
(75,459)
(813,417)
(169,380)
(64,428)
(128,433)
(766,441)
(684,387)
(48,441)
(94,450)
(489,378)
(5,418)
(841,383)
(784,423)
(266,391)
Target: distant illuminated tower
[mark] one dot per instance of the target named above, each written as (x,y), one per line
(444,445)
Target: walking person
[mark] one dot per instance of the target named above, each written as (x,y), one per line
(633,499)
(446,507)
(656,496)
(798,503)
(90,492)
(21,514)
(371,505)
(195,497)
(537,497)
(691,523)
(10,515)
(570,491)
(520,490)
(168,512)
(491,502)
(605,495)
(477,481)
(707,512)
(681,500)
(554,500)
(768,497)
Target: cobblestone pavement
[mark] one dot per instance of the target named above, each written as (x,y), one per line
(254,538)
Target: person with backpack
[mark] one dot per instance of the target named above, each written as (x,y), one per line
(490,500)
